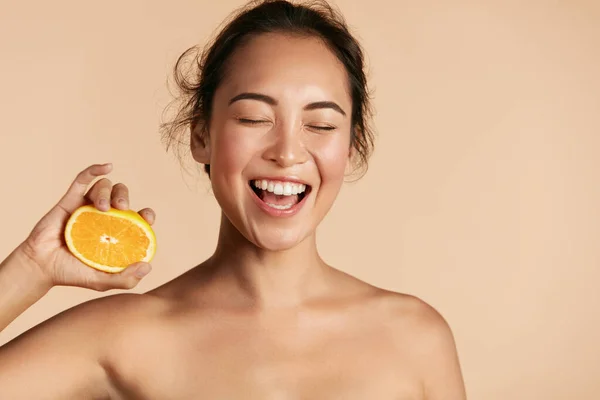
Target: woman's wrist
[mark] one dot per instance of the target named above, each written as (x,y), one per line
(22,284)
(21,271)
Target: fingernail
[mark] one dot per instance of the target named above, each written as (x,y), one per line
(122,202)
(143,270)
(103,202)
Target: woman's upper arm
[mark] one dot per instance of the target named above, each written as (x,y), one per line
(438,358)
(430,348)
(443,378)
(59,359)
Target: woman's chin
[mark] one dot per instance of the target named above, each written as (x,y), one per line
(277,240)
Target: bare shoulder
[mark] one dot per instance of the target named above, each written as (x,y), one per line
(424,339)
(100,313)
(412,321)
(414,316)
(406,313)
(90,327)
(120,309)
(416,335)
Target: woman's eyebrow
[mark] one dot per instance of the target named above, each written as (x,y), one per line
(271,101)
(325,104)
(254,96)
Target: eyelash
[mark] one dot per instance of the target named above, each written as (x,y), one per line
(258,122)
(322,128)
(251,121)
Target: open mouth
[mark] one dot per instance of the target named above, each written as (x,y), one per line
(280,195)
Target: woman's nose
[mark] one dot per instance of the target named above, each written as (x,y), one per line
(287,148)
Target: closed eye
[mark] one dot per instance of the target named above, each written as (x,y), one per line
(321,128)
(249,121)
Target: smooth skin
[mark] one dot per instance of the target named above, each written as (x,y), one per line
(263,318)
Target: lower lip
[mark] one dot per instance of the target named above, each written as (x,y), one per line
(274,212)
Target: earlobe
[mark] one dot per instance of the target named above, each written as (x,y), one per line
(350,161)
(199,145)
(352,155)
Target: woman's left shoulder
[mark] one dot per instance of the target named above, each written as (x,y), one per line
(410,315)
(422,339)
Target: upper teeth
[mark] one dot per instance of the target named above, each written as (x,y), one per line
(280,188)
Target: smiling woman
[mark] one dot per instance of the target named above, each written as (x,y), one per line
(199,73)
(277,109)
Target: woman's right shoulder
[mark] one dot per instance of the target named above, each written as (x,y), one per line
(120,310)
(126,307)
(103,319)
(95,323)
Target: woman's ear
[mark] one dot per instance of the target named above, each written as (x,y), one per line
(350,161)
(199,144)
(352,154)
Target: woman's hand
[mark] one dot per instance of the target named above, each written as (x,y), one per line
(47,250)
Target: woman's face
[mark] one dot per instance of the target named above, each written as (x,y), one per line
(279,138)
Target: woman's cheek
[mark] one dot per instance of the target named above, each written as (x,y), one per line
(232,151)
(333,160)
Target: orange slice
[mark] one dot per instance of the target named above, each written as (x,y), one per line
(109,240)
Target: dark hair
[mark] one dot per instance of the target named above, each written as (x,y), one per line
(199,73)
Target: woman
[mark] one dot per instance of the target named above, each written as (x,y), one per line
(278,114)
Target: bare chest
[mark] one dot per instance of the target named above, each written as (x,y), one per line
(233,364)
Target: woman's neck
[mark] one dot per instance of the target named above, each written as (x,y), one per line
(269,279)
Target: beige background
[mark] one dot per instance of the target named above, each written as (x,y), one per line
(483,196)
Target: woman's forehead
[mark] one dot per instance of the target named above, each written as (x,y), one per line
(286,62)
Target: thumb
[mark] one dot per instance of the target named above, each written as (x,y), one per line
(126,279)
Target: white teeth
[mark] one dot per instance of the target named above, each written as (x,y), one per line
(287,189)
(280,188)
(279,207)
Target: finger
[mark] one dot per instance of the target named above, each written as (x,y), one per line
(126,279)
(148,214)
(120,196)
(99,194)
(74,197)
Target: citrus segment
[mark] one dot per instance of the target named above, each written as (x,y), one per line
(109,240)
